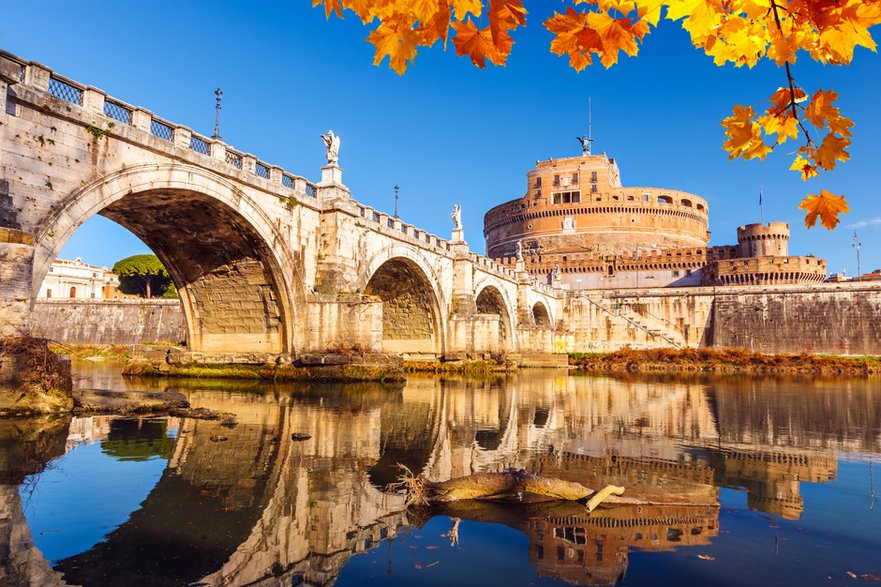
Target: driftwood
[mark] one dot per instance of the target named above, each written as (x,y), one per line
(513,486)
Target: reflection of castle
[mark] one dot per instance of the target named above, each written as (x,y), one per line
(282,510)
(579,225)
(592,550)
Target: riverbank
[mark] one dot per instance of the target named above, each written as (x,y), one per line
(731,361)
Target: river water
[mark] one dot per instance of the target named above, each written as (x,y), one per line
(747,481)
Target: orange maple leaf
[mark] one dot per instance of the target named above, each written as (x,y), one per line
(832,149)
(574,37)
(329,7)
(397,39)
(476,43)
(505,15)
(464,7)
(826,206)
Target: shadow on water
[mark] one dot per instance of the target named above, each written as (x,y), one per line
(255,504)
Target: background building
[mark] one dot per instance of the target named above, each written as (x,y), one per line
(580,227)
(75,279)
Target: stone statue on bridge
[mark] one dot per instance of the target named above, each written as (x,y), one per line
(332,146)
(519,250)
(456,215)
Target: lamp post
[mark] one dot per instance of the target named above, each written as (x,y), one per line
(218,95)
(396,200)
(857,244)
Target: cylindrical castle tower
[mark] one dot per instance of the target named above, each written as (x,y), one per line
(763,240)
(577,204)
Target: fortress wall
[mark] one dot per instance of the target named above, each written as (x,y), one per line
(108,321)
(836,319)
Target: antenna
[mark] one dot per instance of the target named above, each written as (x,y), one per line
(587,140)
(589,122)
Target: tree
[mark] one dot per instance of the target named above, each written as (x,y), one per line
(740,32)
(142,275)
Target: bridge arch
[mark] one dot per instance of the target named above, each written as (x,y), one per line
(413,309)
(236,283)
(541,316)
(491,299)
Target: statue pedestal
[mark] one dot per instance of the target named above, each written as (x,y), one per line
(331,174)
(458,236)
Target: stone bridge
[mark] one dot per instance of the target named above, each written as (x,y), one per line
(264,260)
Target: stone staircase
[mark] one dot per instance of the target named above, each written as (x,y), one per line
(654,327)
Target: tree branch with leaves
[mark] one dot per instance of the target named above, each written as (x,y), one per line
(739,32)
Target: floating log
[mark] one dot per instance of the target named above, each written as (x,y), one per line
(514,486)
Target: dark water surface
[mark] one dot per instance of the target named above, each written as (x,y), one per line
(756,481)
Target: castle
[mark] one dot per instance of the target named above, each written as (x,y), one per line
(577,226)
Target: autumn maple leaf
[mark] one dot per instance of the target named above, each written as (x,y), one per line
(476,43)
(397,39)
(825,206)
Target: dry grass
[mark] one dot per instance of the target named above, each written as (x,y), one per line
(723,360)
(39,367)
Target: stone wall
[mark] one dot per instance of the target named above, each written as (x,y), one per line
(835,319)
(109,321)
(824,318)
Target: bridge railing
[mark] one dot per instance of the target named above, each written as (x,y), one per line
(117,111)
(398,228)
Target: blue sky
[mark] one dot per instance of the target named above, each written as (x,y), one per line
(447,132)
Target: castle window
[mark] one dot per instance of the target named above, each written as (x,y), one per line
(556,180)
(593,176)
(629,198)
(538,182)
(686,203)
(575,178)
(567,197)
(665,200)
(10,101)
(593,187)
(48,293)
(538,193)
(73,292)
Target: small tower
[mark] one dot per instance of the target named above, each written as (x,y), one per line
(764,240)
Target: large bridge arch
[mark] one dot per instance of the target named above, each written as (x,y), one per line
(413,308)
(492,298)
(233,272)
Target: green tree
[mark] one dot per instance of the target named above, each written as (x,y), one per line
(143,275)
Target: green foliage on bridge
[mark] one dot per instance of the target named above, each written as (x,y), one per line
(144,275)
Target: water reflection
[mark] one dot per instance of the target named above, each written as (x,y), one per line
(250,505)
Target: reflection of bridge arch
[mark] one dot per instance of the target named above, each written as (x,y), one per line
(220,248)
(412,319)
(492,299)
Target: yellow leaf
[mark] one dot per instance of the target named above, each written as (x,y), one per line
(744,135)
(804,166)
(785,126)
(825,206)
(464,7)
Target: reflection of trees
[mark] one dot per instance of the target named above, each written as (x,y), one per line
(138,440)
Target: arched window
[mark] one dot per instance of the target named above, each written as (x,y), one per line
(73,292)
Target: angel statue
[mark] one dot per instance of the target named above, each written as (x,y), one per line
(456,215)
(332,146)
(519,250)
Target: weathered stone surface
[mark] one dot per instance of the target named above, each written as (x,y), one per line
(105,322)
(127,402)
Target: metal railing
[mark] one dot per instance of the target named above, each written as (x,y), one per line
(65,90)
(162,130)
(287,181)
(117,112)
(200,145)
(234,159)
(261,170)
